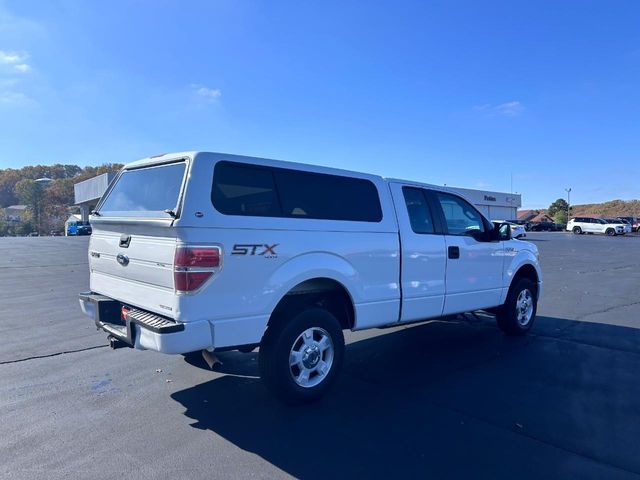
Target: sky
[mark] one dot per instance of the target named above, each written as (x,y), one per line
(498,95)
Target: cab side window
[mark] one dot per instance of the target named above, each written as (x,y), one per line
(418,209)
(461,218)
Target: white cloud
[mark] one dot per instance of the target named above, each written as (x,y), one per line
(15,61)
(513,108)
(482,184)
(509,109)
(206,93)
(9,58)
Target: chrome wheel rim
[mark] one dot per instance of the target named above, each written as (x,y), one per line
(524,307)
(311,357)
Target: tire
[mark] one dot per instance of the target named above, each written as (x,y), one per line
(611,232)
(577,230)
(511,317)
(315,337)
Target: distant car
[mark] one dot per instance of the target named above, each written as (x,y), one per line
(517,231)
(33,234)
(524,223)
(79,228)
(633,221)
(580,225)
(84,230)
(544,227)
(618,221)
(55,233)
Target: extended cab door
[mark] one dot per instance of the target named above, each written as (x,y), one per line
(475,263)
(423,254)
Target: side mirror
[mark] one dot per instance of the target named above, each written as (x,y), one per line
(504,231)
(501,231)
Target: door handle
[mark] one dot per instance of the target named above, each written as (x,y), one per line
(125,240)
(454,252)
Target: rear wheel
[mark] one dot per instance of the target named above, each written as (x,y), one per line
(577,230)
(518,313)
(300,357)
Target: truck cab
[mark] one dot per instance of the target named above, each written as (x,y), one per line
(201,251)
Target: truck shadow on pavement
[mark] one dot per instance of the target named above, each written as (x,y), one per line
(447,399)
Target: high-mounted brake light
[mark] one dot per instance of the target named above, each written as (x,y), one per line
(194,265)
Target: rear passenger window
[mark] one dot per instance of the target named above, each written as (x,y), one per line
(240,189)
(418,210)
(329,197)
(244,190)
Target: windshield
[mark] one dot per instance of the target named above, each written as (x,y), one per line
(145,192)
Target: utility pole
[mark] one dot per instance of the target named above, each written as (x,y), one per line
(568,190)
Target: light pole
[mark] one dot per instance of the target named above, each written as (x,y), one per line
(568,190)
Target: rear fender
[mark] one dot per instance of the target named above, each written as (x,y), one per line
(305,267)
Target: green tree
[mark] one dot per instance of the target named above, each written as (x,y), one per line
(560,217)
(558,206)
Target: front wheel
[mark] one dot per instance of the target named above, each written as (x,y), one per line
(611,232)
(518,313)
(300,357)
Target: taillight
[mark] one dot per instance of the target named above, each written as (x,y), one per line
(200,257)
(194,265)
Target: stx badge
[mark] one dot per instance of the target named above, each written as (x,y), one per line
(269,251)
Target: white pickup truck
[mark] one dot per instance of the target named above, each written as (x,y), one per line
(206,251)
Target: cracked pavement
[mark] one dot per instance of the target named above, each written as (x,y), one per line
(438,400)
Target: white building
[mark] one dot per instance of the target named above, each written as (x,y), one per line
(494,205)
(15,213)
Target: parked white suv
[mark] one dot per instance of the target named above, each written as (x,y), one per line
(581,225)
(203,251)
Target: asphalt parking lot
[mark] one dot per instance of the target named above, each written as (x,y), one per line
(438,400)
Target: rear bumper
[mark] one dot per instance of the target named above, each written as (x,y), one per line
(145,330)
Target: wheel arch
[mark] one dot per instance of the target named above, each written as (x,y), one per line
(525,267)
(322,292)
(526,271)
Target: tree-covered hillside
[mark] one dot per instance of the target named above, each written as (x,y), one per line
(608,209)
(47,207)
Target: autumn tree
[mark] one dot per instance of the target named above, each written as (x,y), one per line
(31,194)
(8,180)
